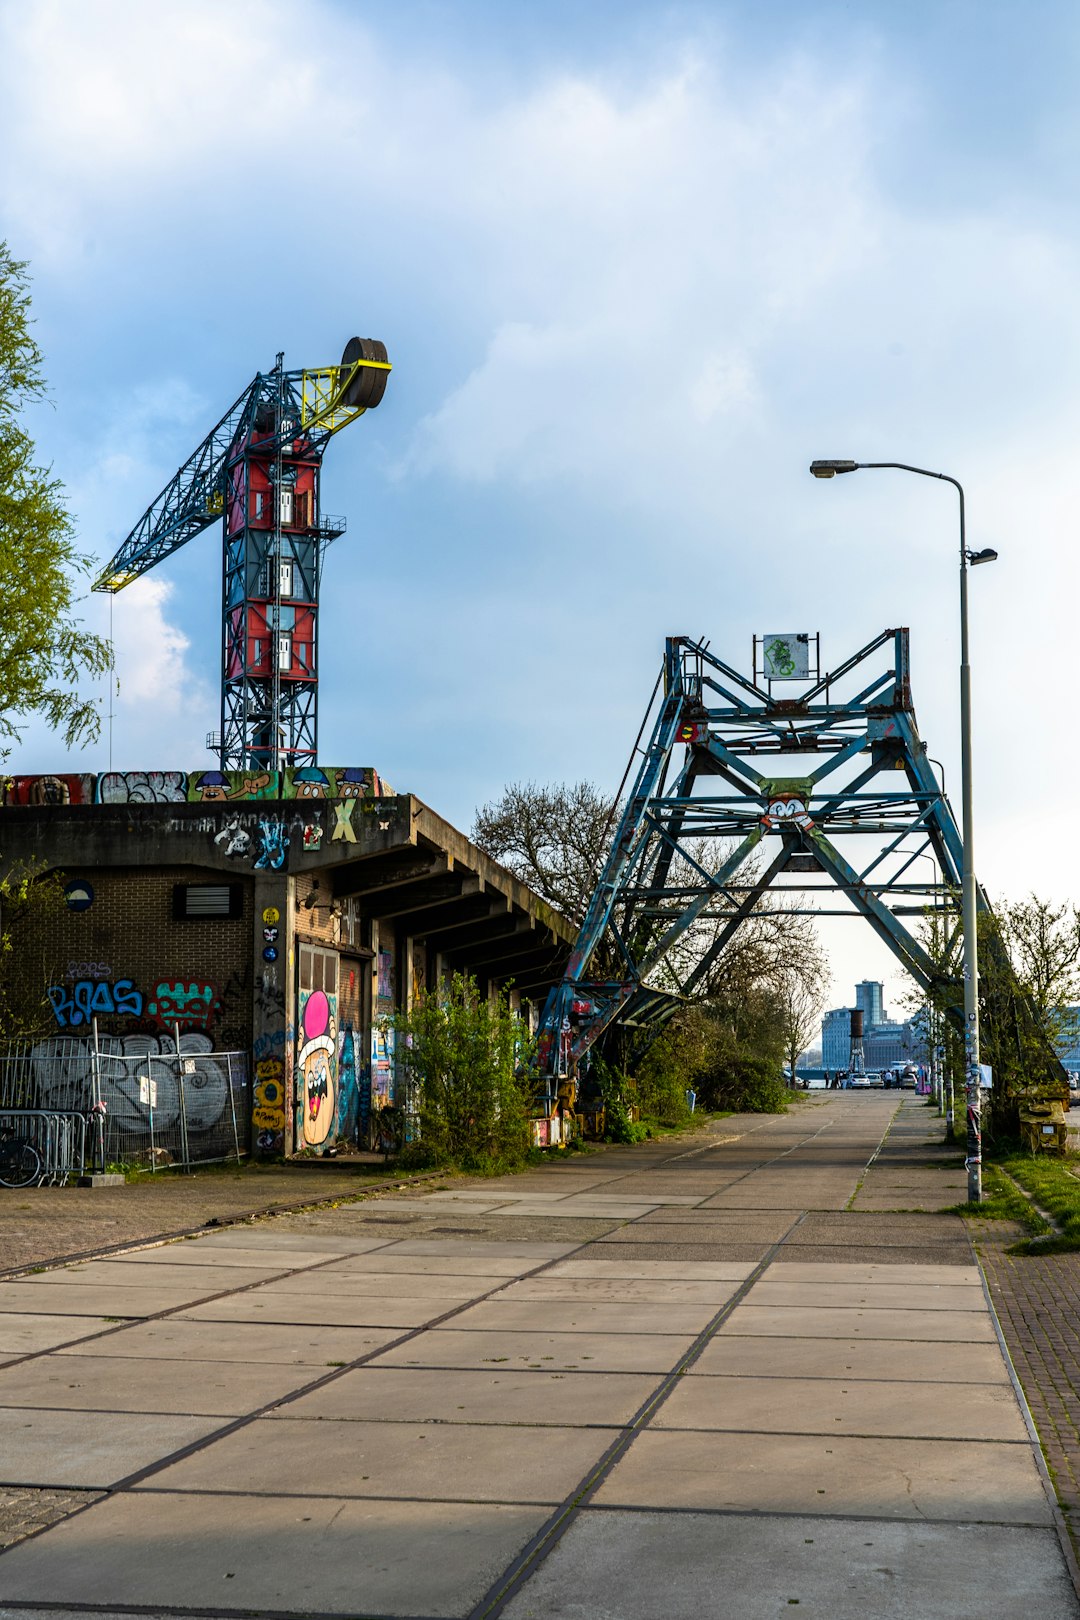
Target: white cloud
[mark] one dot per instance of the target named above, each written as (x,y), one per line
(635,301)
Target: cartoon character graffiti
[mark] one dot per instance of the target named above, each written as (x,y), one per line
(311,783)
(316,1067)
(235,838)
(353,783)
(786,807)
(275,841)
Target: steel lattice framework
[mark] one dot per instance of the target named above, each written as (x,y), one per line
(784,783)
(257,472)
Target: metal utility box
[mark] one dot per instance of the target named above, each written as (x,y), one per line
(1043,1126)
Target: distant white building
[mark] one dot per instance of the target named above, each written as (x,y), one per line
(887,1043)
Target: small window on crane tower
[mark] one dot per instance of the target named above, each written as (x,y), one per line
(284,652)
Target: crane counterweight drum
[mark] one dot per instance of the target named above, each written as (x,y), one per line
(258,472)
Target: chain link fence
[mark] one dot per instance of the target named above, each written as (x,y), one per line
(168,1100)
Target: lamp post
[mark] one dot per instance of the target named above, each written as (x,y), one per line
(829,469)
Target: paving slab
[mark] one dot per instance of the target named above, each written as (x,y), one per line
(621,1290)
(718,1237)
(876,1254)
(535,1253)
(291,1234)
(217,1251)
(686,1566)
(112,1384)
(785,1269)
(88,1449)
(550,1352)
(429,1461)
(68,1300)
(25,1334)
(686,1270)
(915,1410)
(237,1341)
(210,1276)
(397,1284)
(263,1554)
(327,1309)
(628,1248)
(790,1473)
(881,1230)
(485,1263)
(500,1315)
(882,1295)
(882,1359)
(496,1395)
(821,1322)
(766,1223)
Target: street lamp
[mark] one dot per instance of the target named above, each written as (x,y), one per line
(830,469)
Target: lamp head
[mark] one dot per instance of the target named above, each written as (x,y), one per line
(988,554)
(829,469)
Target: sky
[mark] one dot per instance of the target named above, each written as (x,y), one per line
(636,265)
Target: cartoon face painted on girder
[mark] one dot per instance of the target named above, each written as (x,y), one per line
(786,807)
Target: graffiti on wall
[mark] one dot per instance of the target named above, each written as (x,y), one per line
(63,1068)
(78,1001)
(382,1065)
(142,787)
(347,782)
(316,1067)
(75,1005)
(268,1113)
(49,790)
(192,1006)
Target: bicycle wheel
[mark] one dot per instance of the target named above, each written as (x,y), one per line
(20,1163)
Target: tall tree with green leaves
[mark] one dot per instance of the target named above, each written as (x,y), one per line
(45,652)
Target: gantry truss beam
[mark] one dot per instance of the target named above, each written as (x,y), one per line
(737,791)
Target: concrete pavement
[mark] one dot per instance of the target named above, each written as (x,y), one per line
(718,1376)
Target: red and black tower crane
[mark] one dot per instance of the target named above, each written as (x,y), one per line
(258,473)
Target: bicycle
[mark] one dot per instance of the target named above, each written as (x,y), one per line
(20,1161)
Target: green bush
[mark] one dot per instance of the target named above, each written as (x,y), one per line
(467,1058)
(665,1073)
(746,1085)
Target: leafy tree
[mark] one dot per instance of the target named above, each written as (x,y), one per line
(467,1057)
(31,904)
(556,839)
(44,650)
(800,992)
(1029,974)
(552,838)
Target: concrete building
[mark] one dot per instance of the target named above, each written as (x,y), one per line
(870,1000)
(277,916)
(887,1043)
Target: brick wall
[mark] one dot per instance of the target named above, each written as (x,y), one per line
(129,934)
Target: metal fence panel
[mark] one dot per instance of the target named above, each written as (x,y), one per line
(167,1100)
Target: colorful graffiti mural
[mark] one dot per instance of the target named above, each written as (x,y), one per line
(316,1068)
(79,1000)
(345,782)
(77,1004)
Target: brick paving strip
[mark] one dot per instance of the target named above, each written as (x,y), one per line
(1037,1300)
(687,1378)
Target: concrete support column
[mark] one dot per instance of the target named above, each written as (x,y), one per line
(273,1012)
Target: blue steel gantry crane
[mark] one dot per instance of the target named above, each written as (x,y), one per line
(258,473)
(706,785)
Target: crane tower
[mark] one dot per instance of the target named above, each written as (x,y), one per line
(258,474)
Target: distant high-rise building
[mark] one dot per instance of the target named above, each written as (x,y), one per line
(870,1000)
(836,1038)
